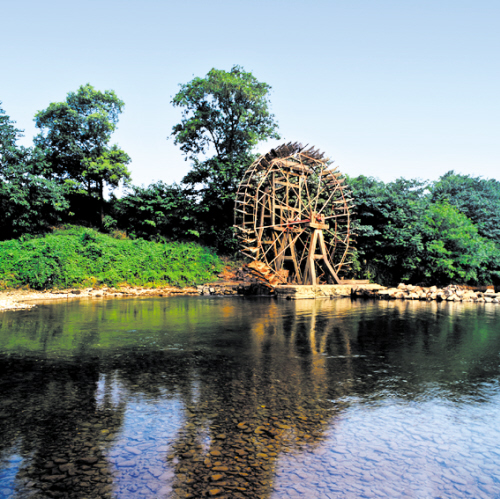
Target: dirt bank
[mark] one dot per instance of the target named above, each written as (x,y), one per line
(23,299)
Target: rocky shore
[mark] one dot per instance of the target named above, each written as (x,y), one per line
(20,299)
(25,299)
(453,293)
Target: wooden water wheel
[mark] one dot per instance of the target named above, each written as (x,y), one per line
(293,213)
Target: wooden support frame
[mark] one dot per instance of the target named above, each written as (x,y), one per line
(295,210)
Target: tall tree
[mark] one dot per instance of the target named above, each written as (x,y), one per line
(225,115)
(29,203)
(75,136)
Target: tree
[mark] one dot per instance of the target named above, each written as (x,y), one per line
(389,218)
(224,114)
(404,235)
(75,136)
(454,250)
(29,203)
(477,198)
(159,210)
(8,137)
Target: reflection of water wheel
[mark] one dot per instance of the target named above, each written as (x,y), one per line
(293,214)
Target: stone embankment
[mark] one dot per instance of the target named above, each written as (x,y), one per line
(449,293)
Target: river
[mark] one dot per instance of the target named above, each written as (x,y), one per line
(250,397)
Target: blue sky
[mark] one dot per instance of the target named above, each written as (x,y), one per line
(386,88)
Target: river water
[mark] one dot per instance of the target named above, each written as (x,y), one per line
(215,397)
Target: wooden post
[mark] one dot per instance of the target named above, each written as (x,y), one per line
(322,245)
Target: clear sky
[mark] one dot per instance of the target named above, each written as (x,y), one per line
(387,88)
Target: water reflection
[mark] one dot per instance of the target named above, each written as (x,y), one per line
(231,398)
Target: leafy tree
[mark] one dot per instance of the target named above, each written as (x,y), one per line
(157,210)
(405,235)
(75,137)
(225,114)
(454,250)
(29,203)
(8,137)
(389,218)
(477,198)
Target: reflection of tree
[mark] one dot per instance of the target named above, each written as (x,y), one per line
(448,345)
(250,411)
(263,380)
(53,422)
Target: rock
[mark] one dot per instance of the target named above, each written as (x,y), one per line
(52,478)
(220,468)
(88,460)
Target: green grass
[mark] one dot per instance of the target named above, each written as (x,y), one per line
(81,257)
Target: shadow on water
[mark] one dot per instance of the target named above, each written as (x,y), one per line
(191,397)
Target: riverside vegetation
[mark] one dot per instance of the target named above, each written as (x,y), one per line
(81,257)
(409,230)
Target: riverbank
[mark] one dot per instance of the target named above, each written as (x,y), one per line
(21,299)
(455,293)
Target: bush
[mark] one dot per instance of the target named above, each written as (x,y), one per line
(80,257)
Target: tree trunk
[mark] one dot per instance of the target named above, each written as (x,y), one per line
(101,201)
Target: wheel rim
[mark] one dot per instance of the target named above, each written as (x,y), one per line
(288,201)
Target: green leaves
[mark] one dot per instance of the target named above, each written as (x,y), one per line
(224,114)
(409,232)
(75,135)
(158,210)
(79,257)
(225,110)
(454,248)
(477,198)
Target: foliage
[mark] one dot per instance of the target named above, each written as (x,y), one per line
(8,137)
(454,250)
(405,235)
(78,257)
(159,210)
(389,227)
(227,111)
(75,136)
(29,203)
(477,198)
(225,114)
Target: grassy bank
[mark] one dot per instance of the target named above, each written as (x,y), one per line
(81,257)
